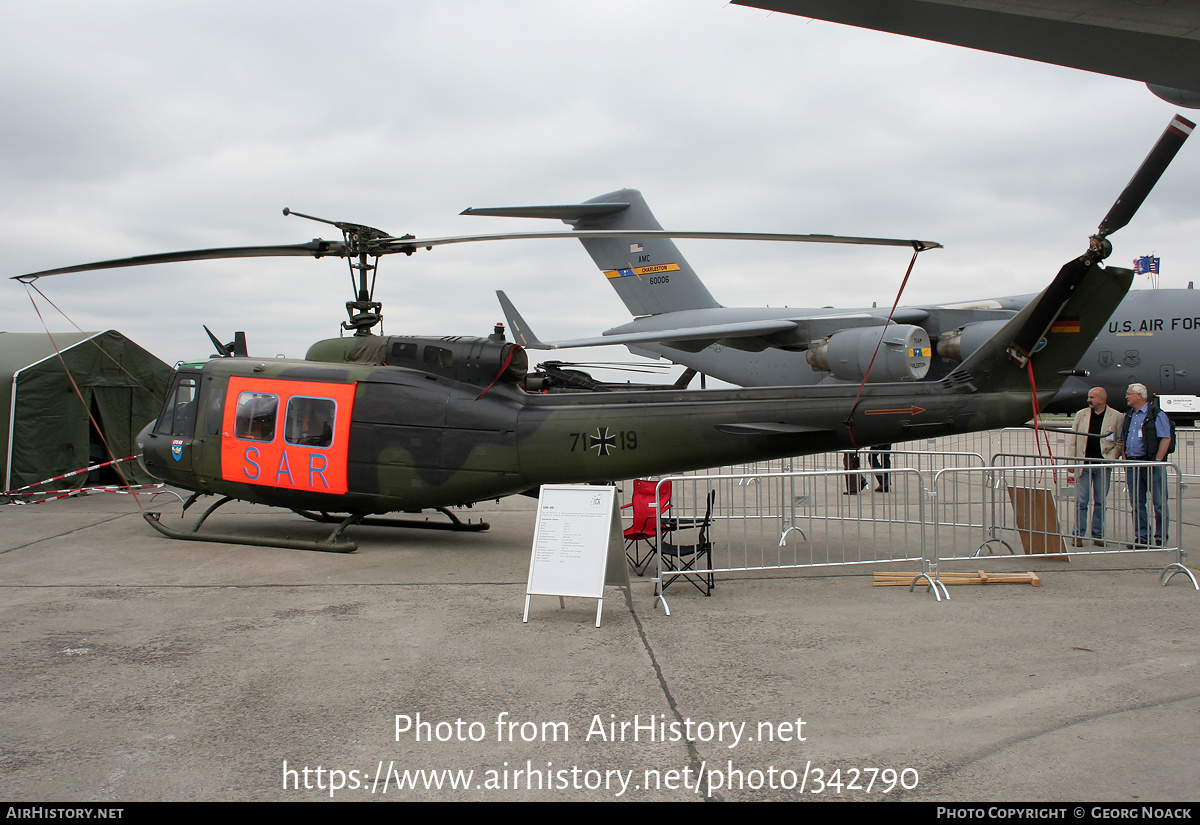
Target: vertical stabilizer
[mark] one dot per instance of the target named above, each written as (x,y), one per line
(649,274)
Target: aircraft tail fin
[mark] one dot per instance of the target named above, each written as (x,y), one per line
(520,330)
(649,274)
(1053,331)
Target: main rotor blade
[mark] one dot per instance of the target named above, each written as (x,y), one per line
(410,245)
(1051,302)
(391,245)
(316,248)
(1147,175)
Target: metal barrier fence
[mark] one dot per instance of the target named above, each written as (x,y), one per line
(787,520)
(1031,508)
(927,507)
(1187,452)
(1010,441)
(806,518)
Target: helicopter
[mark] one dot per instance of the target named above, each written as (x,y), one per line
(368,424)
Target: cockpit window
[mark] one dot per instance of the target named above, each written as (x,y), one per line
(256,412)
(310,421)
(179,412)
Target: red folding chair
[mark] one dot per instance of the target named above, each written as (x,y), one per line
(644,529)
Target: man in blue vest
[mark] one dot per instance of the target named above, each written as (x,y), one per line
(1146,432)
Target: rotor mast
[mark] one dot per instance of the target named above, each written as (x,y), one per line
(361,244)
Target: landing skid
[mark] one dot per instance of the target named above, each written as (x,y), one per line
(456,524)
(332,544)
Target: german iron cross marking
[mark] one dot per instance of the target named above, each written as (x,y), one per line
(602,442)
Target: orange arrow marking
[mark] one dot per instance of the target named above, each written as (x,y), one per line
(902,411)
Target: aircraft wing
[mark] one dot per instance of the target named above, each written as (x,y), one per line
(1154,42)
(706,333)
(725,325)
(710,332)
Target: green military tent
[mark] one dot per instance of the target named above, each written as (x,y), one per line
(45,416)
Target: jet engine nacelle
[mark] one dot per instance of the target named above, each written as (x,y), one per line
(957,345)
(904,354)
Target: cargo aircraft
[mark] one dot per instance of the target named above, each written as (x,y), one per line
(1150,338)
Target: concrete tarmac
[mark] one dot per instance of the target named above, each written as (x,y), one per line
(138,668)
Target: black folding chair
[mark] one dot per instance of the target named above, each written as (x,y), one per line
(679,559)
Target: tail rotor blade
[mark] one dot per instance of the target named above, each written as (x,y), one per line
(1099,248)
(1147,175)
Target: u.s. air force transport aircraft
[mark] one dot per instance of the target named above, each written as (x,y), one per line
(1150,338)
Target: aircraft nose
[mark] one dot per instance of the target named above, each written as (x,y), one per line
(141,447)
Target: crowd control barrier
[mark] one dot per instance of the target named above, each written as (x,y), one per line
(927,507)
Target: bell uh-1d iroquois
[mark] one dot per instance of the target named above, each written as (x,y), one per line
(1150,337)
(370,424)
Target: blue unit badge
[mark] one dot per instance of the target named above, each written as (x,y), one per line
(177,448)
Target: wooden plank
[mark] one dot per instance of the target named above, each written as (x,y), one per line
(901,579)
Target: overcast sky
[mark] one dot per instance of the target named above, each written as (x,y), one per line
(138,127)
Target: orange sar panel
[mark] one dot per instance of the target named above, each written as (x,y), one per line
(287,434)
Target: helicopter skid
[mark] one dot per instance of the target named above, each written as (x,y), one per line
(332,544)
(455,524)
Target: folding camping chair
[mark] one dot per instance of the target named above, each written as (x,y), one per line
(644,529)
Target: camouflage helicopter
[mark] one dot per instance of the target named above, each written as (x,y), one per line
(369,424)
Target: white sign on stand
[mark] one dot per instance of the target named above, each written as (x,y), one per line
(577,529)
